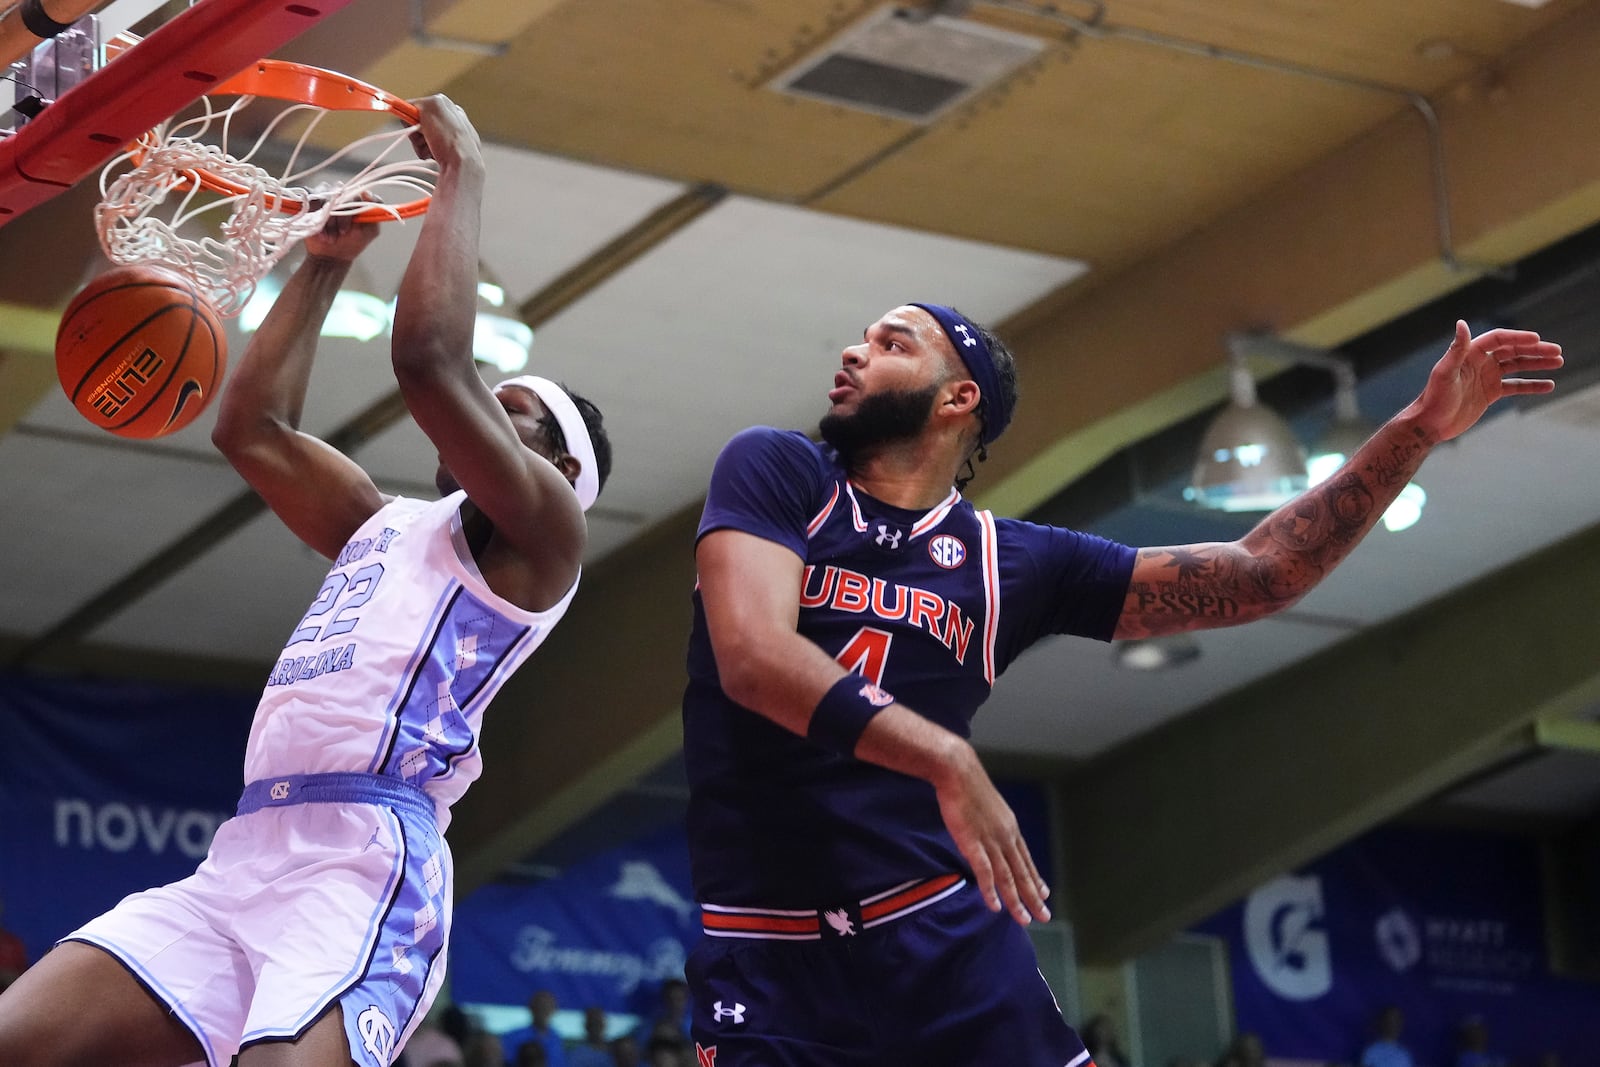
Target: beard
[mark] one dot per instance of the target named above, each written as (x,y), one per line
(881,419)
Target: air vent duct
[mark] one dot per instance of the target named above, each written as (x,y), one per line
(908,65)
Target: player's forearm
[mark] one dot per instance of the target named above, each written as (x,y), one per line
(269,381)
(436,310)
(1301,542)
(902,740)
(784,678)
(1202,586)
(779,676)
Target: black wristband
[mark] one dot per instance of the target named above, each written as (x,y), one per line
(38,23)
(843,712)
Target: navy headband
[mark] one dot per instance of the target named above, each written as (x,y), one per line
(974,352)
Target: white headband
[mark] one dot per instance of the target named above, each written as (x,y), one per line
(573,429)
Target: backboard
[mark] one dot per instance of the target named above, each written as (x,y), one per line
(173,66)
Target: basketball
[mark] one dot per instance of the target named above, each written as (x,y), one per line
(139,352)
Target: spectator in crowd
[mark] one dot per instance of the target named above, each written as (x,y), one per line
(483,1049)
(1472,1045)
(431,1046)
(1387,1051)
(542,1006)
(668,1048)
(13,954)
(625,1051)
(1100,1038)
(673,1010)
(592,1051)
(531,1054)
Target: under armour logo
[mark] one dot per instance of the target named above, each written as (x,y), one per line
(839,919)
(280,790)
(705,1057)
(887,537)
(718,1012)
(967,340)
(377,1032)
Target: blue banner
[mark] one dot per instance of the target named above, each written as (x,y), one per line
(607,931)
(1443,924)
(107,788)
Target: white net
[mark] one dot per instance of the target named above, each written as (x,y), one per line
(169,208)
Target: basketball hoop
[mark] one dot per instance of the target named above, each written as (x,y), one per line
(263,213)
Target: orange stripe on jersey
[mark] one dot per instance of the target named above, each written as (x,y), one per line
(991,592)
(771,924)
(822,516)
(907,897)
(936,516)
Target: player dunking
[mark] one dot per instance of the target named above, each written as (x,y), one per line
(314,932)
(852,857)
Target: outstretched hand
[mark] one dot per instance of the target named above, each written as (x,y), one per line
(1476,371)
(342,238)
(444,133)
(985,830)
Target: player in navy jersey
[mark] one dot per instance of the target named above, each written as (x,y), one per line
(854,862)
(314,933)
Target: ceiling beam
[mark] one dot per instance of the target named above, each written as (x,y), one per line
(1165,830)
(1568,735)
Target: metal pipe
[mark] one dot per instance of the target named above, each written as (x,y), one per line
(1097,29)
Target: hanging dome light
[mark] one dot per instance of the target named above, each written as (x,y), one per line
(1250,460)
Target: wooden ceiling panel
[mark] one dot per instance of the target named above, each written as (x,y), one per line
(677,89)
(1114,151)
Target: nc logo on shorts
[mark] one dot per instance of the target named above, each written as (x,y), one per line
(718,1012)
(280,790)
(377,1033)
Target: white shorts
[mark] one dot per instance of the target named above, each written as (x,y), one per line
(324,889)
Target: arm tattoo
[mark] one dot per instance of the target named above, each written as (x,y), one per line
(1307,537)
(1279,561)
(1204,582)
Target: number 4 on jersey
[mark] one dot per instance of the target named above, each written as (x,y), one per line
(866,653)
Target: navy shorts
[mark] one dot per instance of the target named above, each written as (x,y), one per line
(945,983)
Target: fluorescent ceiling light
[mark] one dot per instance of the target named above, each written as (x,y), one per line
(1406,509)
(1157,653)
(498,340)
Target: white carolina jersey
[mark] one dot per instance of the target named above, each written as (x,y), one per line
(390,670)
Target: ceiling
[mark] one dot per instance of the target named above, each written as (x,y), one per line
(694,247)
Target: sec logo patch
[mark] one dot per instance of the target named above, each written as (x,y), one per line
(947,551)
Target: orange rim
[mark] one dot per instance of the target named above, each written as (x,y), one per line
(326,89)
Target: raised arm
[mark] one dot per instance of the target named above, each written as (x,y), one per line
(321,494)
(528,500)
(750,589)
(1194,587)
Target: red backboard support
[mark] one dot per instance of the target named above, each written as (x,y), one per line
(143,86)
